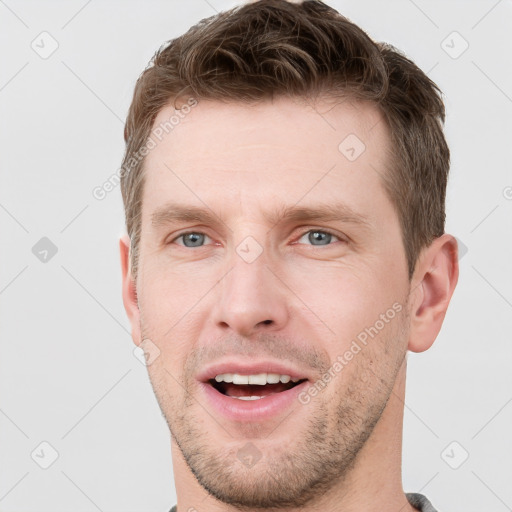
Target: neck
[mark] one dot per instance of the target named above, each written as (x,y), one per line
(373,484)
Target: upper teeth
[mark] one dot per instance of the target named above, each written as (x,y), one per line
(260,378)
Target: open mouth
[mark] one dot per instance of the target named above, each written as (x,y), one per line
(253,387)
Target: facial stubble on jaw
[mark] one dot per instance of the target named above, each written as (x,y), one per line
(288,474)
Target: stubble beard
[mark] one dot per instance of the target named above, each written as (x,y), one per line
(320,456)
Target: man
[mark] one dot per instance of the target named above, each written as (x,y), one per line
(284,186)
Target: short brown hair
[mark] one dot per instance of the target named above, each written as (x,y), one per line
(273,48)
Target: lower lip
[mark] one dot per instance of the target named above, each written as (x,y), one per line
(252,410)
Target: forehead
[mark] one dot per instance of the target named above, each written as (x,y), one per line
(221,127)
(286,149)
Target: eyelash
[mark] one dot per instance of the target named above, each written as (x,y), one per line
(326,231)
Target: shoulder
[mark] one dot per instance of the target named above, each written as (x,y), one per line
(418,501)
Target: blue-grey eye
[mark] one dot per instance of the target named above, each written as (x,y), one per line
(192,239)
(318,237)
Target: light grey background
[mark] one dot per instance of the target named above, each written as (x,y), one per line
(68,374)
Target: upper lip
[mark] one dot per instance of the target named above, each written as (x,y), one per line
(249,368)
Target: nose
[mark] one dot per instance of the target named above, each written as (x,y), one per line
(251,298)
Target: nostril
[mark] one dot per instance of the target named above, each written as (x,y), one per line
(267,322)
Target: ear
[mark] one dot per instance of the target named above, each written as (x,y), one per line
(129,289)
(432,286)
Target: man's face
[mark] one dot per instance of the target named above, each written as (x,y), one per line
(252,290)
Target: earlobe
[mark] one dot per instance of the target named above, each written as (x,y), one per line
(435,278)
(129,290)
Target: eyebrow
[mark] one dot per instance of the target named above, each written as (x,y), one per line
(174,213)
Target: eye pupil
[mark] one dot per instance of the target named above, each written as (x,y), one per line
(319,236)
(193,239)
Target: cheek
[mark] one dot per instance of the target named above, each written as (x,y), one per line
(173,303)
(168,295)
(346,300)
